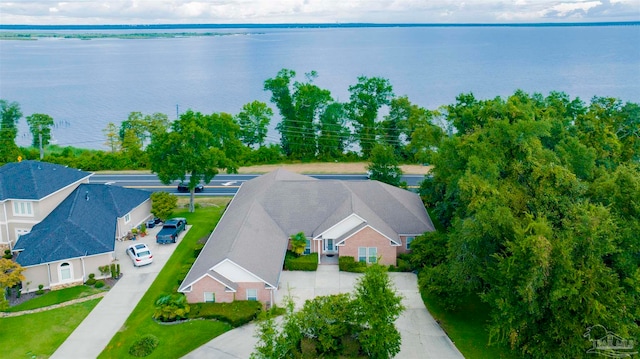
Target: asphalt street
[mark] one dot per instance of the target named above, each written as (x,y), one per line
(221,185)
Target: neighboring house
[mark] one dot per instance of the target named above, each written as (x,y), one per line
(242,259)
(29,191)
(79,235)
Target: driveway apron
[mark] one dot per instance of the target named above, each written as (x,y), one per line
(422,337)
(96,330)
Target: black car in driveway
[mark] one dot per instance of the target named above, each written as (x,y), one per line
(184,188)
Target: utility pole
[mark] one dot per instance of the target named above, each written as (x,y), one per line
(40,142)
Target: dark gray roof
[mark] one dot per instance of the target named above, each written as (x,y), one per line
(35,180)
(84,224)
(255,228)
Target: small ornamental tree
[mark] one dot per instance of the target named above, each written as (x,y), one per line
(298,243)
(384,165)
(163,204)
(10,275)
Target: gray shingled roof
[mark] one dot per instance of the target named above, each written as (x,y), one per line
(35,180)
(255,228)
(84,224)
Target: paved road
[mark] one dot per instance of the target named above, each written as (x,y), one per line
(422,337)
(221,185)
(96,330)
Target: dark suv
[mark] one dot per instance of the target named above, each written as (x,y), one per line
(184,188)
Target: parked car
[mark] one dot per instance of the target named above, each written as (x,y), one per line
(153,222)
(171,230)
(140,254)
(184,187)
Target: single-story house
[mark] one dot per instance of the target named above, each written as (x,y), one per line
(79,235)
(29,191)
(242,259)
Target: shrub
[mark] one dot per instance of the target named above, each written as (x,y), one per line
(349,264)
(403,266)
(170,308)
(7,254)
(99,284)
(236,313)
(308,348)
(40,290)
(91,280)
(303,263)
(198,248)
(104,270)
(144,346)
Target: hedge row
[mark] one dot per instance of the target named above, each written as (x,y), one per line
(236,313)
(349,264)
(307,263)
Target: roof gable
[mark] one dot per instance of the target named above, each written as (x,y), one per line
(34,180)
(83,224)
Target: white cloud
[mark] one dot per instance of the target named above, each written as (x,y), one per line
(279,11)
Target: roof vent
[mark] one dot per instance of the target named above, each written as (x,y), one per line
(86,195)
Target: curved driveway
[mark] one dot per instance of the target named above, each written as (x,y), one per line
(422,337)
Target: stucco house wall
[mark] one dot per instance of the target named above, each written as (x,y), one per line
(137,216)
(368,237)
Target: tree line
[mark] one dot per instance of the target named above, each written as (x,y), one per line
(539,199)
(312,126)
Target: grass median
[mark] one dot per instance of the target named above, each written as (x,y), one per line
(175,340)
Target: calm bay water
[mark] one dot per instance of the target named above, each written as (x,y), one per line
(84,85)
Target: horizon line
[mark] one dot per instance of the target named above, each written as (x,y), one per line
(323,24)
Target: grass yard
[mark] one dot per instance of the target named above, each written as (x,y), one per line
(176,340)
(466,326)
(56,297)
(38,335)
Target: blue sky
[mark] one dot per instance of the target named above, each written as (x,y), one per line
(314,11)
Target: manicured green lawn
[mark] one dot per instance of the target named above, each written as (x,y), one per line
(38,335)
(176,340)
(466,326)
(55,297)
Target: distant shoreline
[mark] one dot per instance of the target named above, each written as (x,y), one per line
(306,25)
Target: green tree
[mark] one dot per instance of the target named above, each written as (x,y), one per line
(163,204)
(10,116)
(301,104)
(377,306)
(537,198)
(113,140)
(40,124)
(384,165)
(10,275)
(193,147)
(253,120)
(365,100)
(333,134)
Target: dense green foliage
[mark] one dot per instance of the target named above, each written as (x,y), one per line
(540,201)
(307,262)
(349,264)
(163,204)
(351,325)
(236,313)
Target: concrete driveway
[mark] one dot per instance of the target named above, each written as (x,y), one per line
(104,321)
(422,337)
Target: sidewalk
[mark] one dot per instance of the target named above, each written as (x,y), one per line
(94,333)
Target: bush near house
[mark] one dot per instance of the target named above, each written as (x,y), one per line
(349,264)
(237,313)
(307,263)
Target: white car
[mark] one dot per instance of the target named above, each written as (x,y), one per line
(140,254)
